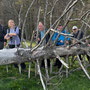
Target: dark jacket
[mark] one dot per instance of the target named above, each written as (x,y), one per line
(2,33)
(75,35)
(47,36)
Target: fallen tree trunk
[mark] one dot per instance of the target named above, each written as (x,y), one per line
(9,56)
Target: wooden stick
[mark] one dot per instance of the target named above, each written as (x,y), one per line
(37,29)
(67,71)
(66,65)
(83,67)
(7,68)
(46,68)
(67,21)
(51,66)
(36,70)
(29,69)
(25,19)
(19,68)
(39,71)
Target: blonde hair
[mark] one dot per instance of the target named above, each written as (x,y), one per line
(10,21)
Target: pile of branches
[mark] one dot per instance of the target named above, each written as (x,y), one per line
(37,53)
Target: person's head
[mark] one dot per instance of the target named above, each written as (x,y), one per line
(75,29)
(59,27)
(41,27)
(11,23)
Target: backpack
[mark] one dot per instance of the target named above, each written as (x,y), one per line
(15,30)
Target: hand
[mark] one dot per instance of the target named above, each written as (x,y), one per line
(5,43)
(89,45)
(10,35)
(67,42)
(74,41)
(38,39)
(33,31)
(61,41)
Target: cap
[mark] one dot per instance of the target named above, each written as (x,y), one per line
(74,27)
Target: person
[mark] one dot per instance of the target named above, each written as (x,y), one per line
(14,40)
(76,32)
(2,34)
(42,32)
(78,35)
(60,42)
(40,36)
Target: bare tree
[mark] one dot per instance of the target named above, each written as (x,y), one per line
(37,53)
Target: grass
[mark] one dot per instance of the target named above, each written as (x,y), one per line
(14,81)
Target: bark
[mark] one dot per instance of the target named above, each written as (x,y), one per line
(9,56)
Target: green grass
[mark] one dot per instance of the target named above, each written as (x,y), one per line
(28,43)
(15,81)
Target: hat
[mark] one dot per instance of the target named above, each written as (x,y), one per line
(74,27)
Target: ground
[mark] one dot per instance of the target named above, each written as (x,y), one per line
(14,81)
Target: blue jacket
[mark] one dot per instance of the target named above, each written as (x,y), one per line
(61,37)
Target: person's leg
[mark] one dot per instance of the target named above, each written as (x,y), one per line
(11,47)
(88,57)
(23,65)
(48,62)
(16,65)
(1,45)
(42,63)
(80,57)
(56,62)
(59,64)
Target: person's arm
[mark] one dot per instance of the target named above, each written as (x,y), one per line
(39,37)
(61,39)
(47,37)
(16,32)
(7,37)
(12,34)
(54,37)
(68,39)
(4,33)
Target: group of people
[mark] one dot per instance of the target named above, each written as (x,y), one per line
(12,34)
(62,40)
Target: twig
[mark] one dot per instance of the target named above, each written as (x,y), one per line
(83,67)
(58,20)
(29,69)
(66,65)
(79,41)
(25,19)
(39,71)
(38,17)
(19,16)
(46,68)
(67,21)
